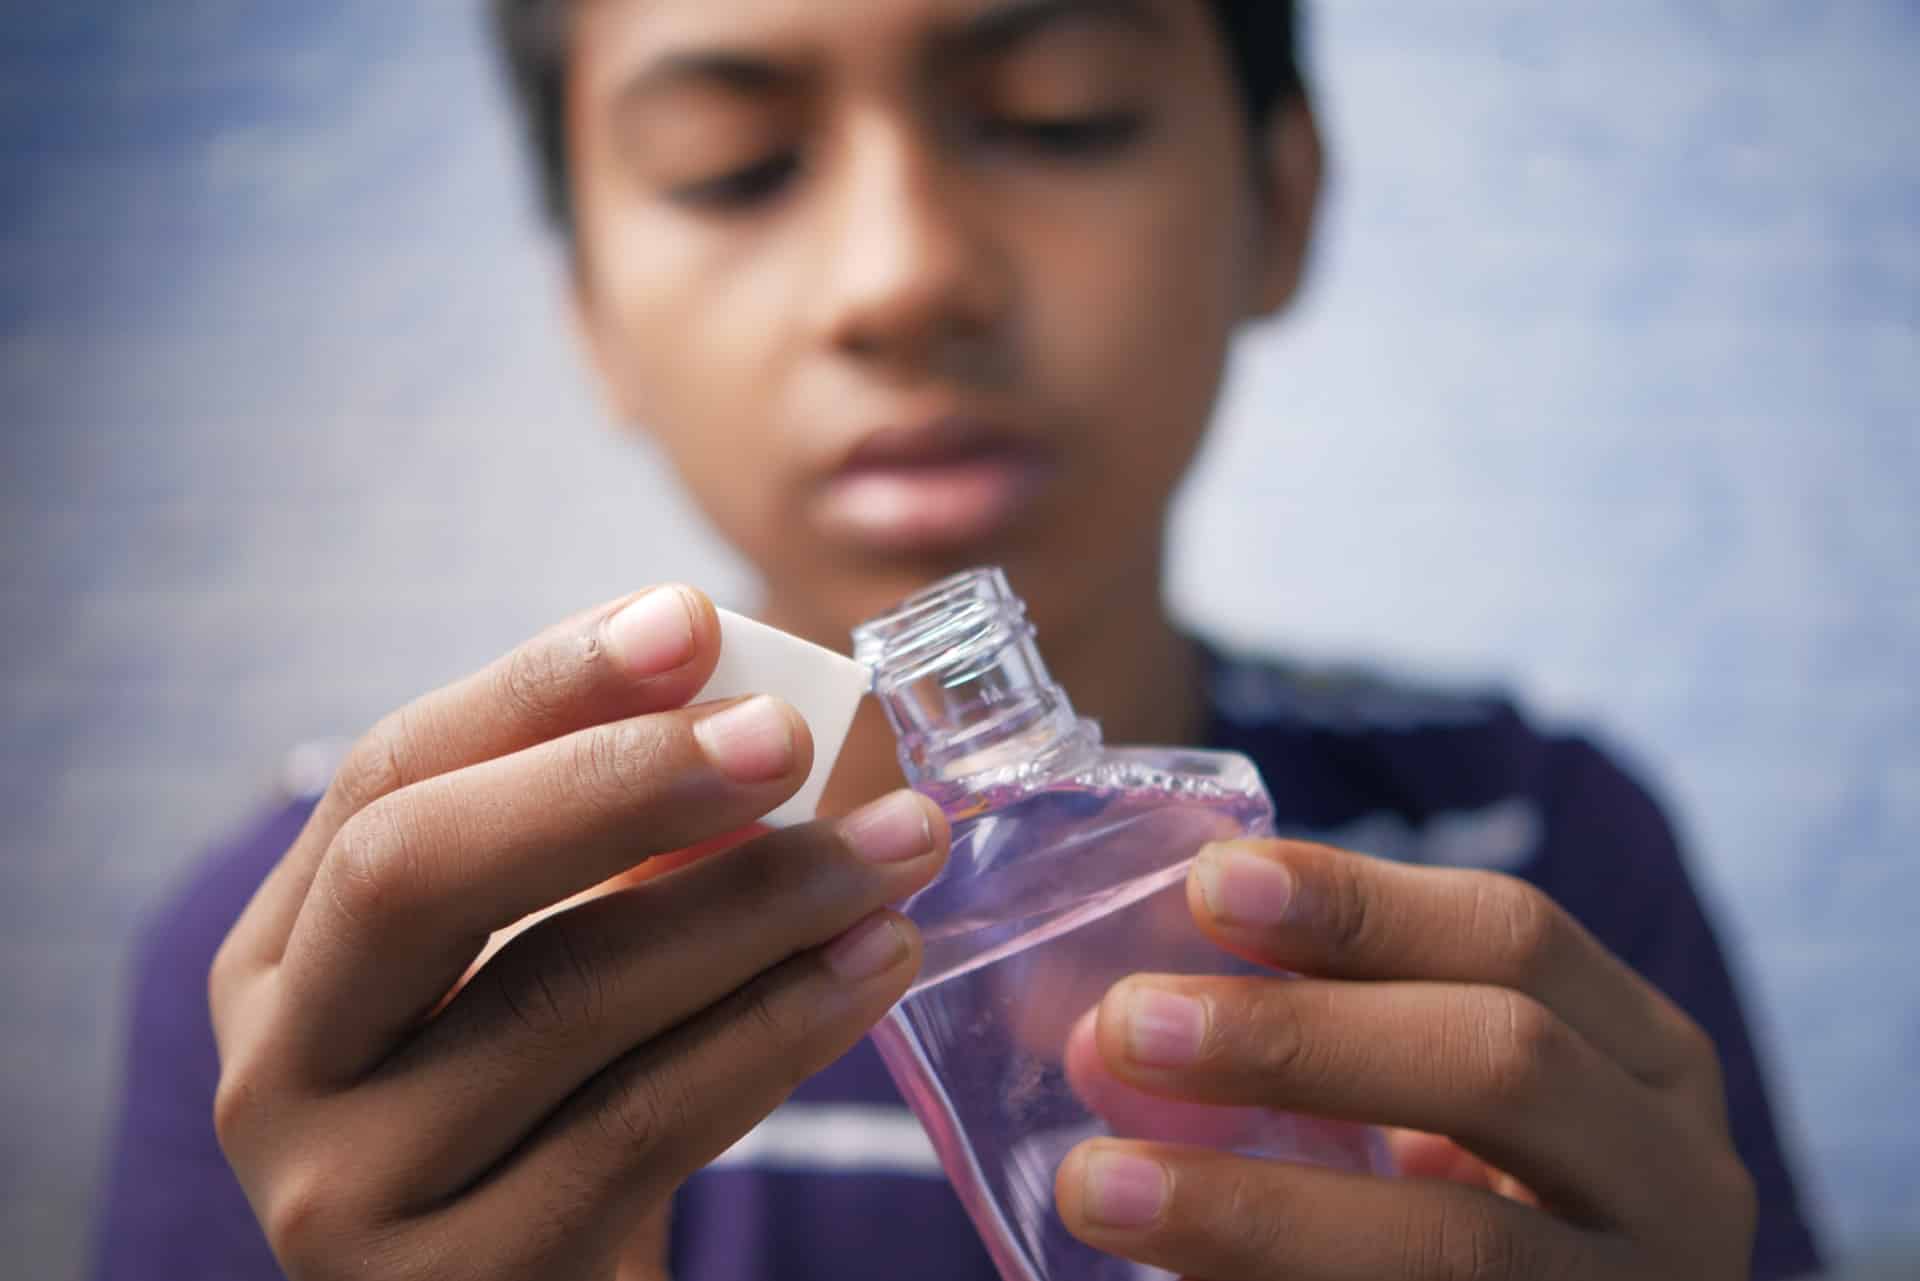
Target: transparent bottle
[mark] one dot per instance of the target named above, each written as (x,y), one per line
(1067,874)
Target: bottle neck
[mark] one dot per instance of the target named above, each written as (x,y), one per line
(964,687)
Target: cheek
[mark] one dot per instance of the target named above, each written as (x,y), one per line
(691,317)
(695,336)
(1161,277)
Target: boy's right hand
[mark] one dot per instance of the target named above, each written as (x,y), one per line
(530,1123)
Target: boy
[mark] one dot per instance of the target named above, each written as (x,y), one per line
(903,286)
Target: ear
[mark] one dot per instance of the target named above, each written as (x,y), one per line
(1290,163)
(598,333)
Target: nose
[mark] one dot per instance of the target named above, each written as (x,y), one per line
(913,278)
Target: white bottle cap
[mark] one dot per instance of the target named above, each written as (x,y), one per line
(824,687)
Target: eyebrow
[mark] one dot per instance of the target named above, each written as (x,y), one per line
(1005,26)
(995,32)
(739,72)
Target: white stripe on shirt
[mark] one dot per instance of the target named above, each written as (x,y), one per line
(1503,837)
(840,1138)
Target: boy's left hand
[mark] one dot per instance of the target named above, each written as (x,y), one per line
(1585,1130)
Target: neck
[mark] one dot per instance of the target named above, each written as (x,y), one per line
(1148,690)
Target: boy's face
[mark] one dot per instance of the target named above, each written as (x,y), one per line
(904,286)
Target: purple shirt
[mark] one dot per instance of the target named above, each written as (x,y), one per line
(838,1185)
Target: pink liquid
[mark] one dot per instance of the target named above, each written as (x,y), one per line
(1052,897)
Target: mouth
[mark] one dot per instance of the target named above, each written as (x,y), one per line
(939,487)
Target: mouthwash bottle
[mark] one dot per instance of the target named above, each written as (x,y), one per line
(1067,874)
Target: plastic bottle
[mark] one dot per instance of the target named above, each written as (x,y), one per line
(1067,874)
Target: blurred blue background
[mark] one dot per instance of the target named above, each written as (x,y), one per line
(1608,384)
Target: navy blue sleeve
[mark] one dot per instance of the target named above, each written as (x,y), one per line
(172,1207)
(1611,859)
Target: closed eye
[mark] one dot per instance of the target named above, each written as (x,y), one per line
(743,188)
(1070,136)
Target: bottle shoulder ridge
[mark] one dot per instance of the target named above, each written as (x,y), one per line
(1197,772)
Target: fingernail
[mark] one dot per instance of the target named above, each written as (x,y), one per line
(1124,1191)
(1243,888)
(891,830)
(872,947)
(1164,1029)
(750,743)
(654,634)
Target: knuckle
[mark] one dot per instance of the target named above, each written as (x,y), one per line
(1696,1052)
(313,1202)
(224,977)
(372,864)
(1246,1203)
(1739,1193)
(1350,917)
(773,1020)
(1530,928)
(638,1113)
(303,1215)
(560,992)
(1696,1046)
(1281,1049)
(583,960)
(234,1107)
(374,767)
(1699,1076)
(534,1004)
(612,762)
(1525,1049)
(537,681)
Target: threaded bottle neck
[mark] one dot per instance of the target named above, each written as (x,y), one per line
(963,685)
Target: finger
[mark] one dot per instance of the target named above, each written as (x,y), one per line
(646,653)
(648,1121)
(580,989)
(1228,1218)
(1496,1070)
(1328,912)
(413,885)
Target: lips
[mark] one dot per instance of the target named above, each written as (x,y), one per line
(942,486)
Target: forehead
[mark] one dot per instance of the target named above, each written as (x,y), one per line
(622,32)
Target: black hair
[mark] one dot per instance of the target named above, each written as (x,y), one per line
(1262,37)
